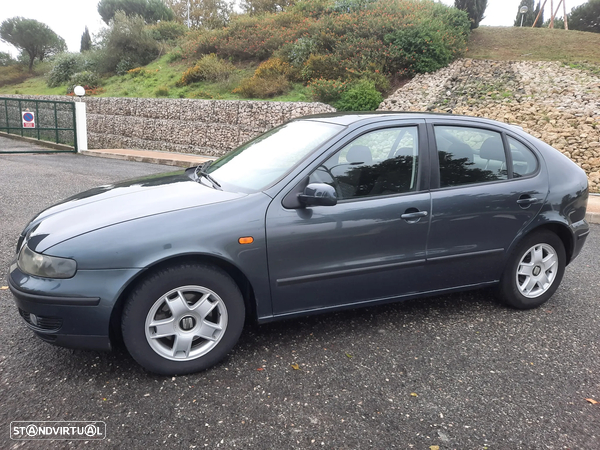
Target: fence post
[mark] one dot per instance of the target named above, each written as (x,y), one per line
(81,126)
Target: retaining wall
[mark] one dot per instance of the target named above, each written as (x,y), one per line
(207,127)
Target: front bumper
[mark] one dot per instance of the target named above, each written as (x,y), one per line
(74,313)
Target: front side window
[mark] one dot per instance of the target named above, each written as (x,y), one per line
(382,162)
(262,161)
(470,155)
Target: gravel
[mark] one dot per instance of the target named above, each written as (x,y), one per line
(457,371)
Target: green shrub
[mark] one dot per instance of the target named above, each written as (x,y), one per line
(64,66)
(328,91)
(298,52)
(256,87)
(209,68)
(167,31)
(322,66)
(174,55)
(88,80)
(361,96)
(161,91)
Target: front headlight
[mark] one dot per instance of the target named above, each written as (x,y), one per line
(45,266)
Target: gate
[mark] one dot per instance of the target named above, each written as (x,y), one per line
(51,121)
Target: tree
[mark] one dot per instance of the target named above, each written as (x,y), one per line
(126,44)
(150,10)
(86,41)
(208,14)
(265,6)
(475,9)
(33,38)
(586,17)
(6,59)
(530,15)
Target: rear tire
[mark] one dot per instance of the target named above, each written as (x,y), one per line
(534,271)
(183,319)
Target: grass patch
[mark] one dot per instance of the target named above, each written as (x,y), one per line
(533,44)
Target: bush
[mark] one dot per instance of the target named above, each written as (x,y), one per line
(88,80)
(209,68)
(396,36)
(161,91)
(256,87)
(328,91)
(361,96)
(167,31)
(64,67)
(272,68)
(298,52)
(322,66)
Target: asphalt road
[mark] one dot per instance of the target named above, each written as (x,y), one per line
(458,371)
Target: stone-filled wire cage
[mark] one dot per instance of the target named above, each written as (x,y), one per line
(54,120)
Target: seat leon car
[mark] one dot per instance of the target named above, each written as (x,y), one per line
(321,213)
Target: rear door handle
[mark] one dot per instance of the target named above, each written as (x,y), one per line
(525,200)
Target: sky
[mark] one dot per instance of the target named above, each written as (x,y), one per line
(68,18)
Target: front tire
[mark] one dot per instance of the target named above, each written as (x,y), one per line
(534,271)
(183,319)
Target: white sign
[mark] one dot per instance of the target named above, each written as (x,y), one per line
(28,119)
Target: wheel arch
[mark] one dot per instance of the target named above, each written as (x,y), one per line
(234,272)
(559,229)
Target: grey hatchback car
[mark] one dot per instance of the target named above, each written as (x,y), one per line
(322,213)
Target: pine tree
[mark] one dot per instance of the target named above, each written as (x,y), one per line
(475,9)
(86,41)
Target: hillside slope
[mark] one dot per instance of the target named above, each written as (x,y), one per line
(556,103)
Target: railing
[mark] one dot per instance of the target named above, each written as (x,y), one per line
(50,121)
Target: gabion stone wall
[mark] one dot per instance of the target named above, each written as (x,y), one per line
(207,127)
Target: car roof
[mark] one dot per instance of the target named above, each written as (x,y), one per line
(362,118)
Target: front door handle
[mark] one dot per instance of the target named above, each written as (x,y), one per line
(413,215)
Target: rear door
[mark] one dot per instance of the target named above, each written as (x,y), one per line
(486,186)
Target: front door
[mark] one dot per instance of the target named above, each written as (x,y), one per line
(371,245)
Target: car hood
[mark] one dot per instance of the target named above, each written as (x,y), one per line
(112,204)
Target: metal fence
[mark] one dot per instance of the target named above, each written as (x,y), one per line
(50,121)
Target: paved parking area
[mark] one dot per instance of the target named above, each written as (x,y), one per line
(458,371)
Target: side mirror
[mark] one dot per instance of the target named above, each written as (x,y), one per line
(318,194)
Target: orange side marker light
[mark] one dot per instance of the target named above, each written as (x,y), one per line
(246,240)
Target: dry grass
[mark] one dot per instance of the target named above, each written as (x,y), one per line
(534,44)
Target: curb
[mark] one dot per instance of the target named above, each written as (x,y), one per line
(592,217)
(168,161)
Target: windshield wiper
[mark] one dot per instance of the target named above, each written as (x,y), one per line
(201,171)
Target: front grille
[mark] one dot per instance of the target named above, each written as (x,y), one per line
(41,323)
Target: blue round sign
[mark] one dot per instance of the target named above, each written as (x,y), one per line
(28,117)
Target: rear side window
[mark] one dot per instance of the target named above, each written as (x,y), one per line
(470,155)
(524,161)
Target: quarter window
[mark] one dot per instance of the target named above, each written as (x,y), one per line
(524,161)
(382,162)
(470,155)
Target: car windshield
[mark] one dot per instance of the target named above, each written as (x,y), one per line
(262,161)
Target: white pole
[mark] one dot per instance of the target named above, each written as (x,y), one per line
(188,4)
(81,119)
